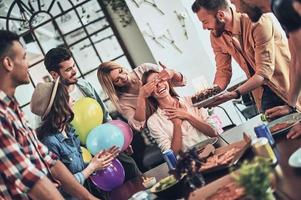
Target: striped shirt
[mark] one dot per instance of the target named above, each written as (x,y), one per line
(24,160)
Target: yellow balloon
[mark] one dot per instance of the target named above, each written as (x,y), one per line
(86,155)
(87,115)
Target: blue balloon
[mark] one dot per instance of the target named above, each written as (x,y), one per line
(103,137)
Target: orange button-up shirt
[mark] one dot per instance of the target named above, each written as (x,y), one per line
(262,45)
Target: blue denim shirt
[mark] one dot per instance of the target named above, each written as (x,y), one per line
(69,152)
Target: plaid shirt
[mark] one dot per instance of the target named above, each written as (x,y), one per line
(23,158)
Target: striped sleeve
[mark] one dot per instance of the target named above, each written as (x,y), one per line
(80,177)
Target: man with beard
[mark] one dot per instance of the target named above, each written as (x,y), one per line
(291,23)
(258,48)
(28,169)
(59,63)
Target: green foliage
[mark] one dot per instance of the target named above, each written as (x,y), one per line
(120,7)
(254,177)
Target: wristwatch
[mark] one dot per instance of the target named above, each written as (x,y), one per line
(238,94)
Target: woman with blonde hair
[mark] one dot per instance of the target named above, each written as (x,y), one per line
(126,92)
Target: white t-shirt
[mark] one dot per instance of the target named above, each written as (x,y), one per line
(76,94)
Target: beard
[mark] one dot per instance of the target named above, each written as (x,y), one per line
(68,82)
(253,12)
(220,28)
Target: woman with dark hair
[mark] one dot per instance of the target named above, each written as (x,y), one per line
(51,101)
(175,124)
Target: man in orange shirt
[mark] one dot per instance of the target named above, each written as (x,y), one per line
(290,20)
(259,48)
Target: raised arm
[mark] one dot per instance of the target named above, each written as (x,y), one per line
(176,141)
(162,133)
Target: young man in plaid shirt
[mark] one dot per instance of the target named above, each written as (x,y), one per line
(27,169)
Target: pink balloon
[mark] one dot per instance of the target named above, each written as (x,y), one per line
(126,131)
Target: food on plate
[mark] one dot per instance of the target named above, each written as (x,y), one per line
(205,94)
(165,183)
(219,159)
(206,151)
(231,191)
(280,126)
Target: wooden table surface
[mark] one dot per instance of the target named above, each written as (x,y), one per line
(288,179)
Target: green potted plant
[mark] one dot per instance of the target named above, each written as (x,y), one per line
(254,176)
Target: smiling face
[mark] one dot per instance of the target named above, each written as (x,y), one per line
(162,88)
(67,72)
(120,77)
(211,22)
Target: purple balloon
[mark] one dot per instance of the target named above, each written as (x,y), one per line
(126,131)
(109,178)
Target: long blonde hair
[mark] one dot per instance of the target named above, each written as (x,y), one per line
(103,75)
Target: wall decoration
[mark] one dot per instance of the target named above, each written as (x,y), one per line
(171,41)
(153,36)
(181,18)
(162,38)
(150,2)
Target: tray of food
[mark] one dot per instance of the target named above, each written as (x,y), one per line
(223,157)
(221,189)
(206,96)
(253,180)
(284,123)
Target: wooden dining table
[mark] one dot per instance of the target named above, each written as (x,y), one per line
(287,178)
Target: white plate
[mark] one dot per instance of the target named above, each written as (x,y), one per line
(295,159)
(292,118)
(208,101)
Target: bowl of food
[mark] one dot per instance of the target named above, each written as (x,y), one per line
(169,188)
